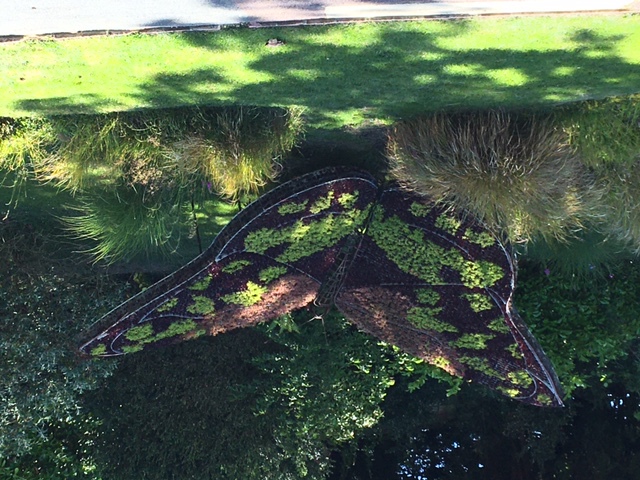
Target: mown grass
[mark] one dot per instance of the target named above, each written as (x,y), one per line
(342,75)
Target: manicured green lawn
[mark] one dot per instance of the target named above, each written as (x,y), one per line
(343,75)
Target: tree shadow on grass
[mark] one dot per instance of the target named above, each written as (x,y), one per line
(348,74)
(86,103)
(406,73)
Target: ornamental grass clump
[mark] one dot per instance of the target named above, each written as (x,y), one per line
(135,173)
(24,146)
(98,149)
(515,173)
(242,150)
(124,222)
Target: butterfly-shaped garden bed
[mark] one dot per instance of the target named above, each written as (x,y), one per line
(412,273)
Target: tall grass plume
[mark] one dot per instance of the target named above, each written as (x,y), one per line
(242,150)
(516,173)
(125,222)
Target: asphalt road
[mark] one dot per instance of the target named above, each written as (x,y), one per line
(40,17)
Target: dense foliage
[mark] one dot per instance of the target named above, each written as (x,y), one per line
(249,404)
(589,327)
(41,376)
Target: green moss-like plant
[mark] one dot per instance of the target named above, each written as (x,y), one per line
(201,284)
(168,305)
(441,362)
(305,238)
(479,302)
(498,325)
(137,334)
(132,348)
(514,350)
(270,274)
(99,350)
(252,295)
(292,207)
(510,392)
(236,266)
(419,210)
(480,273)
(201,306)
(177,328)
(481,365)
(448,223)
(520,378)
(322,203)
(348,200)
(544,399)
(407,248)
(427,318)
(484,239)
(426,259)
(427,296)
(472,341)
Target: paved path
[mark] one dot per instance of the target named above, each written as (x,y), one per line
(38,17)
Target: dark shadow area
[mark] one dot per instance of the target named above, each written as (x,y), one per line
(471,435)
(86,103)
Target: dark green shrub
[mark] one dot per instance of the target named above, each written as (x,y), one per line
(41,375)
(245,404)
(586,328)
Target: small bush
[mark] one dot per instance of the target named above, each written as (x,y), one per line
(241,151)
(516,173)
(41,314)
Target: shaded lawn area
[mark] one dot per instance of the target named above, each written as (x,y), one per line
(343,75)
